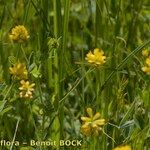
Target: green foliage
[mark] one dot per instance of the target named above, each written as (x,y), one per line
(61,33)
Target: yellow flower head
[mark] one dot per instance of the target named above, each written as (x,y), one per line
(146,68)
(148,61)
(92,124)
(96,58)
(145,53)
(26,89)
(19,34)
(125,147)
(19,71)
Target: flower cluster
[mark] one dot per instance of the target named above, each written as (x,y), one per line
(92,124)
(19,34)
(96,58)
(19,71)
(125,147)
(26,89)
(146,68)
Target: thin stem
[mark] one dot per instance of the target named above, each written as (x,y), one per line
(76,84)
(8,91)
(17,124)
(108,136)
(34,125)
(114,125)
(124,61)
(24,54)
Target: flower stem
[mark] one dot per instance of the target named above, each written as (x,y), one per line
(24,54)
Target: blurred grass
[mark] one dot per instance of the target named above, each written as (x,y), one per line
(65,84)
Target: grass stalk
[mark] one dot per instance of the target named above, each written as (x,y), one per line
(124,61)
(17,124)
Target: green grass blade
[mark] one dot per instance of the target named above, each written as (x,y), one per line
(130,56)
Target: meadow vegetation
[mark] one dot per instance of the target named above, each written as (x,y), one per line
(75,71)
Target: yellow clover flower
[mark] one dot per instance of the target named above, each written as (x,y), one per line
(125,147)
(146,68)
(145,53)
(19,71)
(92,124)
(148,61)
(96,58)
(19,34)
(26,89)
